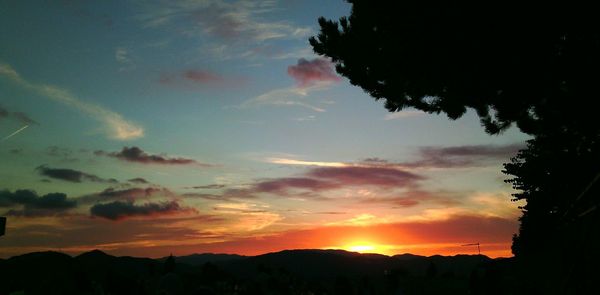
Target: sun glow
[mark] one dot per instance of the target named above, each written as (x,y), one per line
(361,248)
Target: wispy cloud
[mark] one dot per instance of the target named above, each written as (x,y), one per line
(403,114)
(198,77)
(115,126)
(285,161)
(290,96)
(123,57)
(462,156)
(466,156)
(207,186)
(226,20)
(319,179)
(310,76)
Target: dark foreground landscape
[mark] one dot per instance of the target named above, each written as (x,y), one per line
(286,272)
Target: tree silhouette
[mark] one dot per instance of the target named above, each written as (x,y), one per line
(534,66)
(169,265)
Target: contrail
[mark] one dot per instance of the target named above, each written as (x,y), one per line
(15,133)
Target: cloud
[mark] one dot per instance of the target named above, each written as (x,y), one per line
(442,236)
(34,205)
(281,185)
(122,56)
(290,96)
(119,210)
(307,72)
(228,21)
(138,180)
(212,197)
(207,186)
(115,126)
(201,76)
(285,161)
(319,179)
(311,76)
(428,157)
(17,116)
(198,77)
(413,198)
(229,29)
(463,156)
(71,175)
(129,194)
(305,119)
(80,233)
(403,114)
(137,155)
(378,176)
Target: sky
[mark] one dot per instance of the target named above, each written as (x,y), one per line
(147,128)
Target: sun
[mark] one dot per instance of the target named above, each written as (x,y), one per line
(361,248)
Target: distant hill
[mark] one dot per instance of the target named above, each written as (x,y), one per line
(201,259)
(331,263)
(96,272)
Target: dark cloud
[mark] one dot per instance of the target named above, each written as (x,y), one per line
(17,116)
(138,180)
(207,186)
(453,157)
(413,198)
(468,155)
(57,151)
(280,185)
(63,153)
(137,155)
(33,205)
(307,72)
(311,184)
(82,232)
(225,196)
(129,194)
(375,176)
(71,175)
(16,151)
(327,178)
(239,210)
(119,210)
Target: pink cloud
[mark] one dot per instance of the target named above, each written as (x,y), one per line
(308,72)
(201,76)
(378,176)
(193,78)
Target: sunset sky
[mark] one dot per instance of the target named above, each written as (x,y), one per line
(149,128)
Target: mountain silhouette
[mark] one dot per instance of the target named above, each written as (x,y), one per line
(284,272)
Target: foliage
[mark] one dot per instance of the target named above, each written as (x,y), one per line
(533,66)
